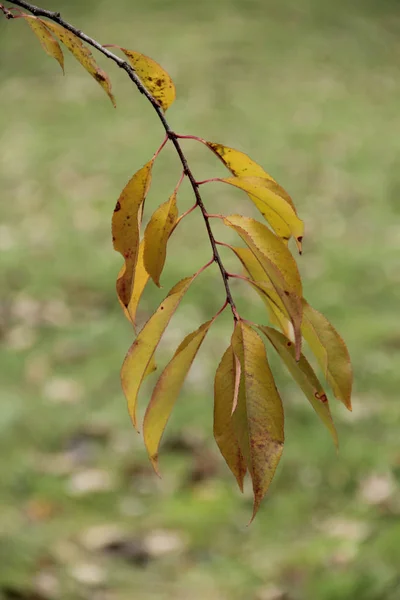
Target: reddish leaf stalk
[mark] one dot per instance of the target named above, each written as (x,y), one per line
(157,152)
(123,64)
(208,180)
(178,185)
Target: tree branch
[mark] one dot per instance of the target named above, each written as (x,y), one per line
(56,17)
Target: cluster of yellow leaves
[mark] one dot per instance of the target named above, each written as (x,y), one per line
(154,78)
(248,410)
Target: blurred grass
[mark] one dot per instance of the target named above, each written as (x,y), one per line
(310,90)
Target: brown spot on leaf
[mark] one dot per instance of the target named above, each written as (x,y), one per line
(159,82)
(323,398)
(99,76)
(117,207)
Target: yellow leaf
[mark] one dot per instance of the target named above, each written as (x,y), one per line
(82,55)
(167,389)
(48,43)
(156,237)
(241,165)
(155,79)
(125,228)
(258,418)
(266,193)
(139,283)
(142,350)
(224,430)
(277,312)
(330,351)
(278,264)
(304,375)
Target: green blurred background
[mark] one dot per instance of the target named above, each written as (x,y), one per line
(310,89)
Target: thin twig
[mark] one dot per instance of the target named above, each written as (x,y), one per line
(56,17)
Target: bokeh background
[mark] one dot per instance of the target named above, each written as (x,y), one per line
(310,89)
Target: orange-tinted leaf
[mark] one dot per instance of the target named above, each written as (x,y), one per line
(48,43)
(82,55)
(167,389)
(142,350)
(224,430)
(241,165)
(258,418)
(304,375)
(330,351)
(268,194)
(278,264)
(156,237)
(154,77)
(125,228)
(277,312)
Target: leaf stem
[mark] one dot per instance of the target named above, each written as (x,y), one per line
(208,180)
(179,219)
(123,64)
(190,137)
(157,152)
(178,185)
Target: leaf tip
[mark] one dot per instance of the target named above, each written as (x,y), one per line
(299,244)
(154,464)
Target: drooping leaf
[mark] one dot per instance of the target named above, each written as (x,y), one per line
(154,77)
(278,264)
(126,227)
(277,312)
(82,55)
(167,389)
(304,375)
(142,350)
(156,237)
(241,165)
(268,194)
(139,283)
(226,386)
(47,41)
(141,278)
(258,418)
(330,351)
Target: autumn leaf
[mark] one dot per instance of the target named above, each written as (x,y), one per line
(156,237)
(126,228)
(258,418)
(47,41)
(266,193)
(155,79)
(304,375)
(241,165)
(82,55)
(142,350)
(277,312)
(278,264)
(167,389)
(330,351)
(226,387)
